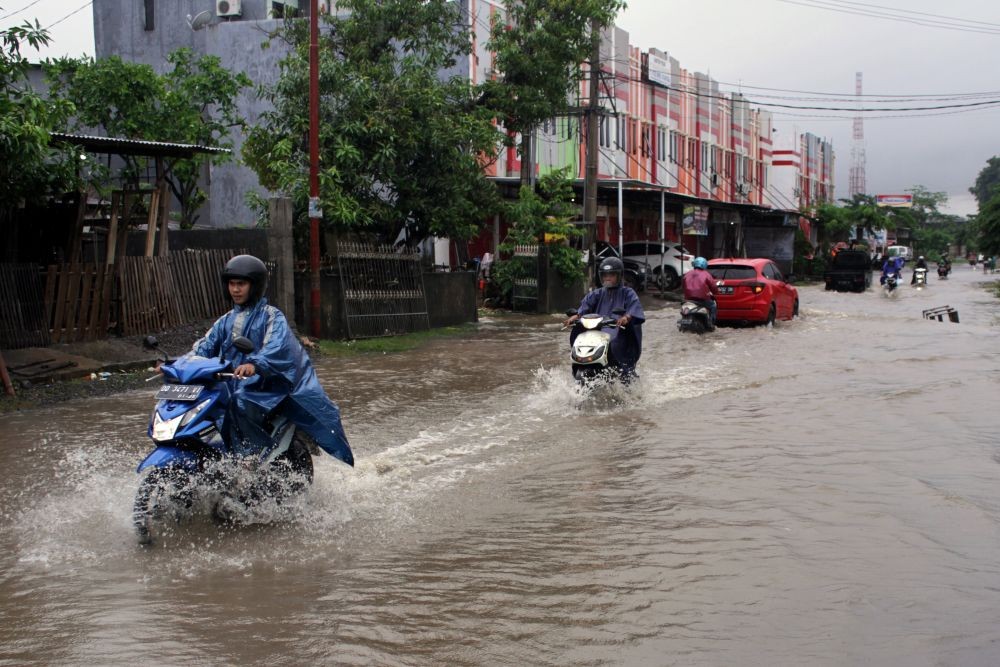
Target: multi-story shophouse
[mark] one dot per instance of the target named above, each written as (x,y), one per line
(679,158)
(802,175)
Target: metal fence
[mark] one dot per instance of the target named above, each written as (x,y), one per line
(383,290)
(524,295)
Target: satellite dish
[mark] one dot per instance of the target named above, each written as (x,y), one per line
(200,20)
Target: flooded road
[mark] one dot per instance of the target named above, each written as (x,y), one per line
(825,492)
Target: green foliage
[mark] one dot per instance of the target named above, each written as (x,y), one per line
(989,225)
(194,102)
(399,145)
(808,261)
(538,49)
(838,223)
(932,231)
(539,45)
(987,181)
(30,169)
(533,217)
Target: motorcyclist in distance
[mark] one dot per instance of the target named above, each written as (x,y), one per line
(277,375)
(891,266)
(626,347)
(921,264)
(700,286)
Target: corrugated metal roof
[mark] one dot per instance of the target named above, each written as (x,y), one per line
(119,146)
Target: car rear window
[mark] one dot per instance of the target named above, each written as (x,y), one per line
(732,272)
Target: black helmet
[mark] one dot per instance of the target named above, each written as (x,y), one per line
(248,268)
(611,265)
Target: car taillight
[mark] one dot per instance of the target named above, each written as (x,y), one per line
(756,288)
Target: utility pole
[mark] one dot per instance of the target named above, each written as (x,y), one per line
(593,148)
(315,212)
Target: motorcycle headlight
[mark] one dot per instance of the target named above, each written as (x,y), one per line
(165,429)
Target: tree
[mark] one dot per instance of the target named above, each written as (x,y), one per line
(838,223)
(194,102)
(30,168)
(539,46)
(989,225)
(541,217)
(401,145)
(987,181)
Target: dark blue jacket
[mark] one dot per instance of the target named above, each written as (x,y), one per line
(285,374)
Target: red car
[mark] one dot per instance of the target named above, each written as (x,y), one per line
(752,290)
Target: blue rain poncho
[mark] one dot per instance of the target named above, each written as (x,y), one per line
(626,344)
(285,375)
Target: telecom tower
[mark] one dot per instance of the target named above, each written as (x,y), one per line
(857,183)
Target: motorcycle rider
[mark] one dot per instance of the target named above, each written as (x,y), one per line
(921,264)
(944,264)
(700,287)
(277,375)
(892,266)
(626,347)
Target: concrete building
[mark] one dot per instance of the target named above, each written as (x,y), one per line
(233,30)
(673,145)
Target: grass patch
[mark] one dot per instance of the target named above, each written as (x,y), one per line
(390,344)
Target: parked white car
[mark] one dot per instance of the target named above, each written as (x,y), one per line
(676,260)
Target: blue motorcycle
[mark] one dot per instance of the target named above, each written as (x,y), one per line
(192,455)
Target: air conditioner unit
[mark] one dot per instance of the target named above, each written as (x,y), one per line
(742,189)
(228,8)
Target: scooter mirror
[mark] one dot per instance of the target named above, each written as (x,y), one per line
(150,342)
(571,312)
(618,311)
(243,344)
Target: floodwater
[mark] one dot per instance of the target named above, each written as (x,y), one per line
(823,492)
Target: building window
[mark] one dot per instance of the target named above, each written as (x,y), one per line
(604,138)
(147,23)
(285,9)
(675,146)
(661,144)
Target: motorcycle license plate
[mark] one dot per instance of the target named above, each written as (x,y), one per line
(726,289)
(179,392)
(687,321)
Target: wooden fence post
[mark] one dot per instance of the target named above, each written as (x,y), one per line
(7,384)
(280,249)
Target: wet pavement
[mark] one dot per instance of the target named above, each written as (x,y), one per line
(823,492)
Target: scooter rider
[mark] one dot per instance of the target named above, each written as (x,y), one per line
(626,347)
(700,287)
(892,266)
(277,375)
(921,264)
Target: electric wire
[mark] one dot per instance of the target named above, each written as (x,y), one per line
(832,6)
(75,11)
(18,11)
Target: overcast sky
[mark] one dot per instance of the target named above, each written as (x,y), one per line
(798,45)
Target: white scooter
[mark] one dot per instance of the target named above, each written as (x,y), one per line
(591,349)
(920,278)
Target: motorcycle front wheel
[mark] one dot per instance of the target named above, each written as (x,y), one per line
(164,493)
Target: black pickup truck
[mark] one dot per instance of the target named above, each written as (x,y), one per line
(850,270)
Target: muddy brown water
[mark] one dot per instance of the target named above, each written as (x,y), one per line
(824,492)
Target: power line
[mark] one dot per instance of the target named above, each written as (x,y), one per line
(900,97)
(75,11)
(18,11)
(829,5)
(911,11)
